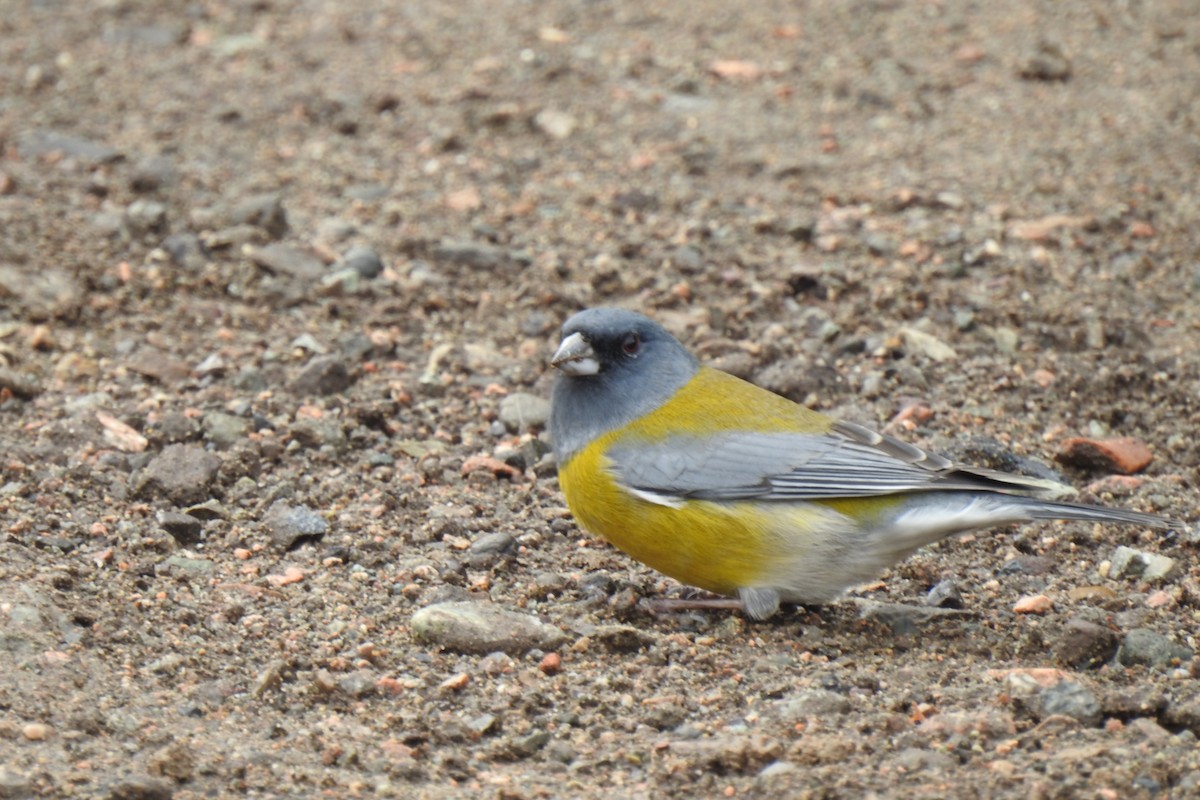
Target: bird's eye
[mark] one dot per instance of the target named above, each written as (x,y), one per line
(632,344)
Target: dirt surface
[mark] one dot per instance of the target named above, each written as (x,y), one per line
(279,276)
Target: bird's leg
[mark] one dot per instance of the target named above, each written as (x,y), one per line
(673,605)
(756,603)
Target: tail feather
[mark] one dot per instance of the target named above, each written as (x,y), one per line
(1043,509)
(926,518)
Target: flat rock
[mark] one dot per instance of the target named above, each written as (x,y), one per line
(154,363)
(1146,647)
(476,255)
(469,627)
(521,411)
(141,787)
(283,259)
(41,293)
(813,703)
(181,473)
(1063,698)
(39,143)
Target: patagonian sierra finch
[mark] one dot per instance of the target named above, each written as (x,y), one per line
(731,488)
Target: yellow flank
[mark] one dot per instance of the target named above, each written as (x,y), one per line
(720,547)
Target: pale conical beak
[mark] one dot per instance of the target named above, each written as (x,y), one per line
(575,357)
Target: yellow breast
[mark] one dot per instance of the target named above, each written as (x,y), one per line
(715,546)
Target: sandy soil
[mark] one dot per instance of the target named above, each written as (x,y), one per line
(279,280)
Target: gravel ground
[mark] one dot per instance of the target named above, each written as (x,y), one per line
(279,282)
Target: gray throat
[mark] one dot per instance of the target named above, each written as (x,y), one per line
(583,408)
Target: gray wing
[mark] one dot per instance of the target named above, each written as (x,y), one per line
(848,461)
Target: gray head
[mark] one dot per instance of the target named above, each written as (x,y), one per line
(614,366)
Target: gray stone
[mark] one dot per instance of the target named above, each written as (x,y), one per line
(476,255)
(621,638)
(1145,647)
(141,787)
(1068,698)
(521,411)
(184,566)
(152,174)
(283,259)
(40,143)
(900,618)
(813,703)
(186,251)
(342,282)
(208,510)
(157,364)
(323,375)
(224,430)
(14,785)
(172,428)
(482,628)
(363,260)
(25,388)
(263,211)
(184,528)
(360,683)
(531,743)
(42,292)
(487,549)
(914,759)
(921,343)
(1047,63)
(289,526)
(944,594)
(316,433)
(181,473)
(1130,563)
(144,217)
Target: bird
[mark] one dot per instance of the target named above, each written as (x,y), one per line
(733,489)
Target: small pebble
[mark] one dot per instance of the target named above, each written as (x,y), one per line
(290,526)
(455,683)
(263,211)
(184,528)
(363,260)
(551,664)
(324,375)
(1033,604)
(36,731)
